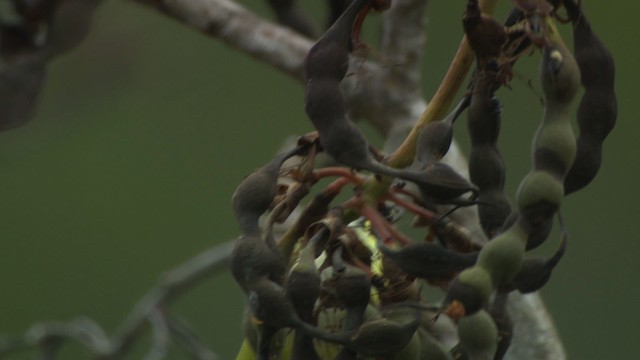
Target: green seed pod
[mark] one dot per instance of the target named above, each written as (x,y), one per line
(431,348)
(472,288)
(502,257)
(478,336)
(555,148)
(252,259)
(540,187)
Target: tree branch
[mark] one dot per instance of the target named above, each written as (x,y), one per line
(47,336)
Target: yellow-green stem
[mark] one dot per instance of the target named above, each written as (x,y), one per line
(442,99)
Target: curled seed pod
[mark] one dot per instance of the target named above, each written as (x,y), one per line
(291,16)
(440,182)
(535,272)
(326,65)
(478,336)
(256,192)
(471,289)
(251,259)
(597,111)
(435,138)
(502,257)
(428,260)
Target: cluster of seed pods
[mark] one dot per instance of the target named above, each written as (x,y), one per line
(343,282)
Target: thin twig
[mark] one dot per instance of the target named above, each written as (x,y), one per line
(188,338)
(85,331)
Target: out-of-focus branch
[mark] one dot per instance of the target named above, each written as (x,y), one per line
(240,29)
(48,336)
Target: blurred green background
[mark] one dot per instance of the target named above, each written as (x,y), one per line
(143,132)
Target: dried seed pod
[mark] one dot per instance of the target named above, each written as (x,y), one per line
(435,138)
(486,167)
(597,111)
(326,65)
(440,182)
(428,260)
(478,336)
(535,272)
(485,35)
(251,259)
(256,192)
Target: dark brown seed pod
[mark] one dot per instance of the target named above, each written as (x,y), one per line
(493,210)
(440,183)
(256,192)
(597,111)
(328,58)
(486,36)
(326,65)
(435,138)
(252,259)
(535,272)
(428,260)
